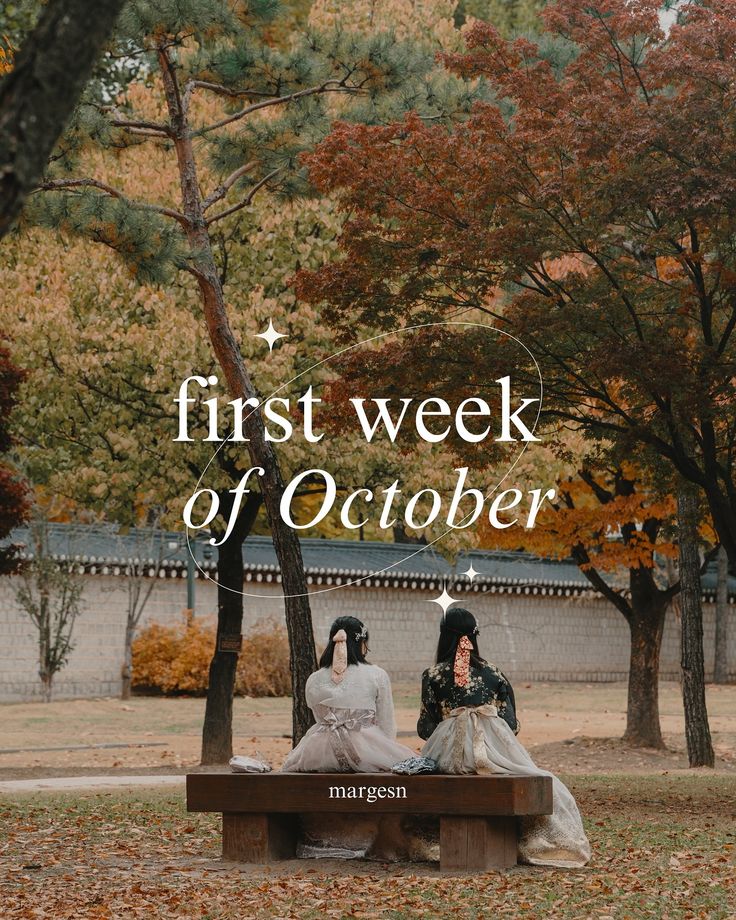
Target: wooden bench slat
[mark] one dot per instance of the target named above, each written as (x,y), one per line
(242,793)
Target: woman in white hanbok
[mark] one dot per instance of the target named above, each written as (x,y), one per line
(355,729)
(468,715)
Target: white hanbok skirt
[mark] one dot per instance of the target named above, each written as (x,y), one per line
(345,741)
(477,740)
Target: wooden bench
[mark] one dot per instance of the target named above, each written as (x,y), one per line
(478,827)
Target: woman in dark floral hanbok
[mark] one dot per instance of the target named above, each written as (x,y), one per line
(468,715)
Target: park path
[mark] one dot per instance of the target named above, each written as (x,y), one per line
(83,783)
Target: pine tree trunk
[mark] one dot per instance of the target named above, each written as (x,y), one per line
(40,93)
(217,731)
(720,662)
(303,658)
(127,669)
(217,734)
(646,626)
(697,730)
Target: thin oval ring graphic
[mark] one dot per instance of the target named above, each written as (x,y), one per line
(357,580)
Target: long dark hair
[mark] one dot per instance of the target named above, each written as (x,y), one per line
(456,623)
(357,634)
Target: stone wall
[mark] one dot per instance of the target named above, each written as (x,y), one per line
(531,636)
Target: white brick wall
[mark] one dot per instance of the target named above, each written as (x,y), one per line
(532,637)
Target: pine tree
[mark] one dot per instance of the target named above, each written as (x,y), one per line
(277,100)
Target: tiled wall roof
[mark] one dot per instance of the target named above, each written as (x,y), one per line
(102,549)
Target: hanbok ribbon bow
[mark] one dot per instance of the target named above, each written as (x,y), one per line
(351,719)
(339,725)
(469,718)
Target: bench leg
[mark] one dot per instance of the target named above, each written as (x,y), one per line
(258,838)
(477,843)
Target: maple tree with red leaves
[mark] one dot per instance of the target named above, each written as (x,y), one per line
(14,497)
(591,211)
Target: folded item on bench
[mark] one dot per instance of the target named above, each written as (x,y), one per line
(240,764)
(414,765)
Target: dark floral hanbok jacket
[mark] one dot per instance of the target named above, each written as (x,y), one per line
(440,695)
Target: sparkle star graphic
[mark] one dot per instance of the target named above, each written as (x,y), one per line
(470,572)
(270,335)
(444,600)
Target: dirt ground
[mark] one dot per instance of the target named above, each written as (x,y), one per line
(570,727)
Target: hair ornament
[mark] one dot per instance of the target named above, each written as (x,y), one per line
(362,635)
(461,666)
(339,656)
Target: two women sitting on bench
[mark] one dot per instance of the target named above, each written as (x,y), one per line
(468,718)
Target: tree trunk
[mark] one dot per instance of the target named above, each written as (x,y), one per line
(40,93)
(697,731)
(46,681)
(127,669)
(720,662)
(645,614)
(303,658)
(217,730)
(44,644)
(646,626)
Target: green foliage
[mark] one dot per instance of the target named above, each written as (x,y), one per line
(151,245)
(250,64)
(277,101)
(143,20)
(439,96)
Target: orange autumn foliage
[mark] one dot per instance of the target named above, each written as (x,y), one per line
(6,55)
(609,530)
(175,659)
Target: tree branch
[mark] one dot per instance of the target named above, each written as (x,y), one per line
(581,557)
(329,86)
(148,128)
(223,189)
(247,200)
(220,90)
(61,184)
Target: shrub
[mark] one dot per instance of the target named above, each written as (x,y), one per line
(176,659)
(263,666)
